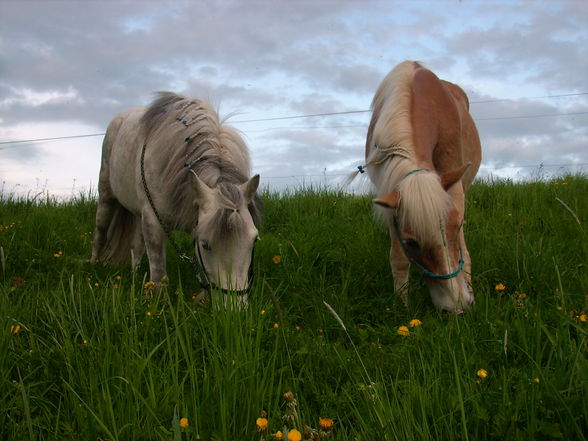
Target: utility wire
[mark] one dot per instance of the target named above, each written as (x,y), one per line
(492,118)
(20,141)
(349,112)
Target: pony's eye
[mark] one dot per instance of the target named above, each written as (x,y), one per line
(205,245)
(412,244)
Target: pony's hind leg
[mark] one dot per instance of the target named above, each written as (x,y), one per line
(104,214)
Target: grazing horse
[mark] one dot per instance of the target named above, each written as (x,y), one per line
(422,153)
(175,166)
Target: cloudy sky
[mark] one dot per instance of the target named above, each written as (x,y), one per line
(67,67)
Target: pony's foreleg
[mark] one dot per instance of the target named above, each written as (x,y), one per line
(104,214)
(137,247)
(154,236)
(467,260)
(400,268)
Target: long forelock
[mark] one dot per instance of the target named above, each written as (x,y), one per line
(424,205)
(227,223)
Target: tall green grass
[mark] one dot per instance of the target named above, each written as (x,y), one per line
(88,352)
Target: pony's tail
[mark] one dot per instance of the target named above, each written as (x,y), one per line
(122,232)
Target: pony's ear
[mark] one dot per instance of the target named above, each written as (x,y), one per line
(451,177)
(390,200)
(250,187)
(204,194)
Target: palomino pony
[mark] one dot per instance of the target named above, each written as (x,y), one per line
(175,166)
(422,153)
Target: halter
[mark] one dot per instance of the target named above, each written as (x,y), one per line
(420,267)
(207,285)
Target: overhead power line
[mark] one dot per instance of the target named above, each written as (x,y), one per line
(492,118)
(348,112)
(20,141)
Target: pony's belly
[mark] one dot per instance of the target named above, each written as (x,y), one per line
(124,179)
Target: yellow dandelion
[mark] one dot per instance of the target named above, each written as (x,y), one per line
(559,308)
(294,435)
(276,325)
(85,342)
(14,329)
(583,317)
(403,330)
(149,284)
(326,423)
(277,259)
(521,295)
(536,380)
(149,313)
(184,422)
(298,328)
(261,423)
(278,435)
(262,312)
(96,284)
(500,287)
(118,278)
(414,323)
(482,373)
(288,396)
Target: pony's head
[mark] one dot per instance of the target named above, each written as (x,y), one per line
(426,215)
(226,233)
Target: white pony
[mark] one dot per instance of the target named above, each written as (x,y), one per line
(175,166)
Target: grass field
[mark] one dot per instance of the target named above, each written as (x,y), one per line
(91,353)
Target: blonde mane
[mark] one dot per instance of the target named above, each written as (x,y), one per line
(423,201)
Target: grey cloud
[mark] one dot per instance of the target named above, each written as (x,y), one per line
(276,58)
